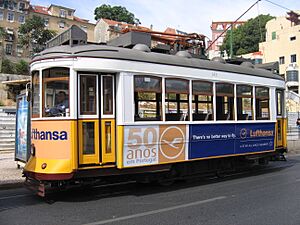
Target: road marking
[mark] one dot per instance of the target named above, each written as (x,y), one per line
(157,211)
(13,196)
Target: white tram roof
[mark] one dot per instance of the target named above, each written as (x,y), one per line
(110,52)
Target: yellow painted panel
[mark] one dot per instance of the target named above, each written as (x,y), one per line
(54,166)
(108,141)
(88,158)
(120,140)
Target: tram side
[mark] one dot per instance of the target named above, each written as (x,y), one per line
(120,117)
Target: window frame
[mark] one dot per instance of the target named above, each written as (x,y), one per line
(242,97)
(228,102)
(112,114)
(158,100)
(195,100)
(178,100)
(258,99)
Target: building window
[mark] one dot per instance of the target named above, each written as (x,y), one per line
(202,100)
(293,58)
(147,98)
(225,101)
(293,38)
(10,5)
(21,19)
(244,102)
(1,15)
(177,100)
(21,6)
(19,50)
(292,76)
(62,13)
(46,22)
(61,24)
(273,35)
(262,103)
(1,4)
(69,13)
(281,60)
(8,49)
(10,16)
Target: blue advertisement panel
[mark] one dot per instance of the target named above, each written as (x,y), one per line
(226,139)
(22,123)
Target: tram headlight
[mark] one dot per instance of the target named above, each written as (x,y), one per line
(32,150)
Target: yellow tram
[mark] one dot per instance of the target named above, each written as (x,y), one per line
(100,112)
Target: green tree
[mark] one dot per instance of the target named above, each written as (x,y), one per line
(245,38)
(117,13)
(22,67)
(34,34)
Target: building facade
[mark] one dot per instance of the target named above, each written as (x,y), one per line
(217,28)
(60,18)
(12,14)
(282,45)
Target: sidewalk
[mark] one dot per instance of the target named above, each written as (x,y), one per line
(10,175)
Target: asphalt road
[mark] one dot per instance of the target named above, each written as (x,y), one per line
(266,195)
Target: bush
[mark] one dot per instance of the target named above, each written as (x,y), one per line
(8,67)
(22,67)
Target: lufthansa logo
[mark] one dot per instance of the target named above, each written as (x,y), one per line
(243,133)
(172,142)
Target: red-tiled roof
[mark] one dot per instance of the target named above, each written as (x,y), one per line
(170,30)
(45,11)
(40,9)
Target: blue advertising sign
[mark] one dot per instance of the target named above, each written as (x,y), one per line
(226,139)
(22,127)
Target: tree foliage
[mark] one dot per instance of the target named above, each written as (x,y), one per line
(117,13)
(246,37)
(22,67)
(34,34)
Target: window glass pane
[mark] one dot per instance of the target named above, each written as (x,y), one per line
(177,103)
(56,92)
(88,93)
(243,90)
(35,94)
(108,97)
(262,92)
(200,87)
(147,84)
(88,138)
(177,86)
(147,98)
(279,103)
(224,89)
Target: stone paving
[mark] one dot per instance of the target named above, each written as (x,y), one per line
(10,175)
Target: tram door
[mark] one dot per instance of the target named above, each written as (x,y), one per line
(96,119)
(280,127)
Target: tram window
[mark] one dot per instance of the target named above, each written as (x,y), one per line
(262,103)
(279,98)
(107,95)
(177,100)
(88,93)
(56,92)
(244,102)
(202,100)
(35,94)
(224,101)
(147,98)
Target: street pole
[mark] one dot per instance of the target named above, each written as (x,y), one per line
(231,48)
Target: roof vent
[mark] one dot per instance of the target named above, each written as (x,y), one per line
(247,64)
(184,54)
(218,59)
(142,48)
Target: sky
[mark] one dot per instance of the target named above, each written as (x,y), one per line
(193,16)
